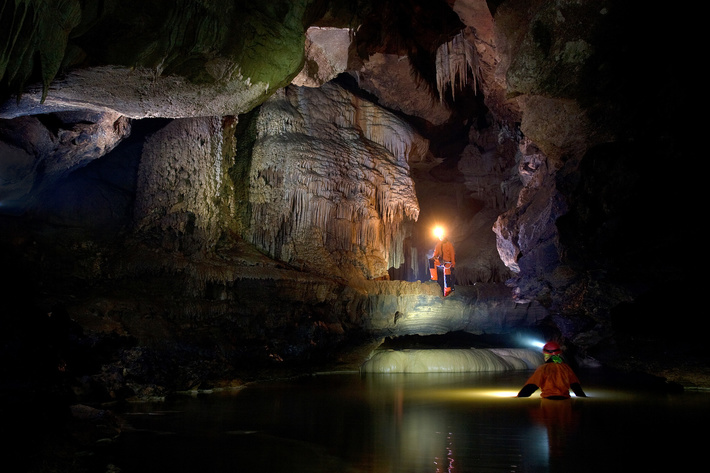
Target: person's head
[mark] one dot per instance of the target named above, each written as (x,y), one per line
(440,233)
(551,349)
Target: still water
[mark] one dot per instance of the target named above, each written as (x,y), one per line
(412,423)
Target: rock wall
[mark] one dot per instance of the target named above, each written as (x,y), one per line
(185,199)
(40,152)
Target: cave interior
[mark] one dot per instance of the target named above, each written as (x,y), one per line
(194,195)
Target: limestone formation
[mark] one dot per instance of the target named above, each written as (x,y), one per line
(237,186)
(329,186)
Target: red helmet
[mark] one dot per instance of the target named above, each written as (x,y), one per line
(552,348)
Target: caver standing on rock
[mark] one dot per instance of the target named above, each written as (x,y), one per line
(554,378)
(444,260)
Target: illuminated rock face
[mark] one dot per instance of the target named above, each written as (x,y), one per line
(389,77)
(452,360)
(184,195)
(182,59)
(326,56)
(400,308)
(329,184)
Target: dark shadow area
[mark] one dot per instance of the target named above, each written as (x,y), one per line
(454,340)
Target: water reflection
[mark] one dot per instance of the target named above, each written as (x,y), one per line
(561,423)
(388,423)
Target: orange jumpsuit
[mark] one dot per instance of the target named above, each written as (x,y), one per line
(444,255)
(554,380)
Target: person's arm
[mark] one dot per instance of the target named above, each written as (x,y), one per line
(527,390)
(577,390)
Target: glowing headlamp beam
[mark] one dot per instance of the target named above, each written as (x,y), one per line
(439,231)
(531,342)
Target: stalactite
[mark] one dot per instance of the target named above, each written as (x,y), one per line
(386,130)
(414,260)
(335,168)
(453,61)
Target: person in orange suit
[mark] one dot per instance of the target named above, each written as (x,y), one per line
(444,258)
(554,378)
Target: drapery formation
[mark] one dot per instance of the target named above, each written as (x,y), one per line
(330,188)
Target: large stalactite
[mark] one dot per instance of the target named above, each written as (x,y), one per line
(329,186)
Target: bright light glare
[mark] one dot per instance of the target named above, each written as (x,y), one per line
(531,342)
(498,393)
(439,232)
(468,394)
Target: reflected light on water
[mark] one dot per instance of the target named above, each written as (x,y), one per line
(472,394)
(504,393)
(413,423)
(488,434)
(483,393)
(462,394)
(496,393)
